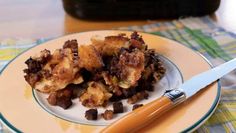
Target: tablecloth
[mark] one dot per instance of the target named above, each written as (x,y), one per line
(200,34)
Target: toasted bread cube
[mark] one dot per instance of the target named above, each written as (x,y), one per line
(95,95)
(131,66)
(111,44)
(98,43)
(89,58)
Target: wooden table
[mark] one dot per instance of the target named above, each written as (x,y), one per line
(46,18)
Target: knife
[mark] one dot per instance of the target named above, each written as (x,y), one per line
(143,115)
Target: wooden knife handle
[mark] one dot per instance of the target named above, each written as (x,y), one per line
(140,117)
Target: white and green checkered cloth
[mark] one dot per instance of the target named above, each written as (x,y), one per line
(199,34)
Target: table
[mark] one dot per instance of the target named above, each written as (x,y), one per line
(46,18)
(34,19)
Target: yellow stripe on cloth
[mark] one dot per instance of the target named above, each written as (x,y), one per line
(233,124)
(226,110)
(226,127)
(8,54)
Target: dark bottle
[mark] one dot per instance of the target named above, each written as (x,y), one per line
(138,9)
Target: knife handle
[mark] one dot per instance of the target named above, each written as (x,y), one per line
(139,117)
(143,115)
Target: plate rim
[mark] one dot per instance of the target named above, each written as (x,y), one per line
(214,105)
(191,128)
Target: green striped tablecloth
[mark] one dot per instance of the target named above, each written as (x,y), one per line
(199,34)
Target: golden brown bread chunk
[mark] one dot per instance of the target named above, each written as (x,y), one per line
(111,45)
(131,66)
(96,95)
(62,72)
(89,58)
(48,73)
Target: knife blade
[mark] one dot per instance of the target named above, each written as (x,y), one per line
(143,115)
(200,81)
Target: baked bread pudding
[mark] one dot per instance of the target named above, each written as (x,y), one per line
(107,70)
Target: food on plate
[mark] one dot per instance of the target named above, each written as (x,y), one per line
(107,70)
(135,106)
(96,95)
(108,114)
(118,107)
(62,98)
(89,58)
(91,114)
(137,97)
(48,72)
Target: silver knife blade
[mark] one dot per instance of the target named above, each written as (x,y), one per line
(196,83)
